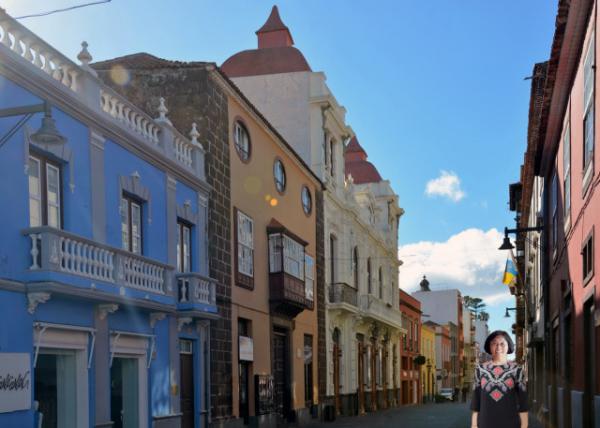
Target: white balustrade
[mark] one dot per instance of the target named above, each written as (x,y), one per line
(183,150)
(34,50)
(194,288)
(57,250)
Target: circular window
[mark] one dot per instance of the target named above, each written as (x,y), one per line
(306,200)
(242,141)
(279,175)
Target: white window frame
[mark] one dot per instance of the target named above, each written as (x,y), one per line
(50,205)
(280,181)
(567,173)
(35,196)
(293,255)
(129,239)
(42,167)
(588,109)
(245,243)
(184,255)
(239,140)
(309,281)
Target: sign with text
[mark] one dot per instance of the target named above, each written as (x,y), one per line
(246,348)
(15,382)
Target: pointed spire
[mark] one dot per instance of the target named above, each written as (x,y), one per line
(274,33)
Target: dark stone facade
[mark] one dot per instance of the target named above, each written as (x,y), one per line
(191,95)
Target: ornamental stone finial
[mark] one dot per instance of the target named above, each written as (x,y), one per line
(162,111)
(194,134)
(84,56)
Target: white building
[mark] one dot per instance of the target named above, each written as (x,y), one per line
(362,320)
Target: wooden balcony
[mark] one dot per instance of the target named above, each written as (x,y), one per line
(287,294)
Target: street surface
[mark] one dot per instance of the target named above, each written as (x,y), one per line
(446,415)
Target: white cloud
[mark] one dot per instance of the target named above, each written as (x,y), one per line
(469,261)
(446,185)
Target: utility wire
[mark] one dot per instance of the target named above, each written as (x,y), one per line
(66,9)
(15,128)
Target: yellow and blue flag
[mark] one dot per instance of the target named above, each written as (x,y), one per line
(510,273)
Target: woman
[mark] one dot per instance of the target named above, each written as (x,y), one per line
(499,396)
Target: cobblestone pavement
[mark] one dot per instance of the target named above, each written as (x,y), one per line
(446,415)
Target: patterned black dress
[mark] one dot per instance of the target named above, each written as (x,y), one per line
(499,395)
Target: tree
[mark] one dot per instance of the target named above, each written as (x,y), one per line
(475,305)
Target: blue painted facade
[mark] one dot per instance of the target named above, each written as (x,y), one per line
(72,292)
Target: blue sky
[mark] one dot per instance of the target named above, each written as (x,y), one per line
(434,90)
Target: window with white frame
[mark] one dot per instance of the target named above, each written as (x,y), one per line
(184,246)
(355,266)
(242,141)
(567,171)
(588,104)
(45,199)
(286,254)
(279,175)
(131,224)
(245,244)
(380,282)
(332,157)
(309,277)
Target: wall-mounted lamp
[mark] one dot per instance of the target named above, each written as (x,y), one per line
(507,245)
(46,134)
(506,315)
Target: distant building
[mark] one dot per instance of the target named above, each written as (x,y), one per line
(410,348)
(428,370)
(481,333)
(443,363)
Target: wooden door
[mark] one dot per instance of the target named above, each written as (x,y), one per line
(187,389)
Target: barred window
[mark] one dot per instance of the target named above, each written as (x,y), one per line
(245,244)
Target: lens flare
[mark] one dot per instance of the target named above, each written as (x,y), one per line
(119,75)
(274,202)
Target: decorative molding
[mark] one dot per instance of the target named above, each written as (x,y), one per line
(34,299)
(183,321)
(171,182)
(105,309)
(185,212)
(155,317)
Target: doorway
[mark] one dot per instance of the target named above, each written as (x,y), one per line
(281,370)
(124,393)
(589,351)
(186,359)
(56,390)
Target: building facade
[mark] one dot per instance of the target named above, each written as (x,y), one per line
(410,349)
(105,279)
(442,356)
(562,153)
(429,369)
(360,327)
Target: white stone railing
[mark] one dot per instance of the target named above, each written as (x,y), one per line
(372,306)
(183,150)
(128,114)
(33,49)
(195,288)
(56,250)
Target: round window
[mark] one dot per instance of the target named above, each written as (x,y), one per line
(242,141)
(279,175)
(306,200)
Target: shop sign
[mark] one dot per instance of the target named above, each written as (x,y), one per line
(246,348)
(15,382)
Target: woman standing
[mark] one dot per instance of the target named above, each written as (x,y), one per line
(500,394)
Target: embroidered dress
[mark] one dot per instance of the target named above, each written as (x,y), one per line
(499,395)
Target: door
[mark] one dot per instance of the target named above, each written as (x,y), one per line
(280,373)
(186,357)
(55,390)
(589,363)
(361,378)
(124,398)
(337,354)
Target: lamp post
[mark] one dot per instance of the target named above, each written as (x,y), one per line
(506,315)
(506,244)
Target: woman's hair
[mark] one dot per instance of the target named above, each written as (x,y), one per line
(493,335)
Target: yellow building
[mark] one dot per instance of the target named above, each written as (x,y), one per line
(428,369)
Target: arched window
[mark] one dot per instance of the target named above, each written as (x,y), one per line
(332,256)
(369,276)
(332,157)
(380,283)
(355,266)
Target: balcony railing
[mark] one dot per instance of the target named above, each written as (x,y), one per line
(340,292)
(59,251)
(376,307)
(195,288)
(287,294)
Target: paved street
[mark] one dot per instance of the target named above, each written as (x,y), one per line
(447,415)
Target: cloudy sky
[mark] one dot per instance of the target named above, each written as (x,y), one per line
(435,91)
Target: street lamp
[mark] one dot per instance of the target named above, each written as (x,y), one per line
(47,134)
(506,315)
(507,245)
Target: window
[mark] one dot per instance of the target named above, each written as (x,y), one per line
(131,224)
(293,255)
(244,249)
(380,283)
(588,258)
(242,141)
(308,370)
(309,275)
(369,276)
(588,105)
(554,207)
(355,266)
(332,254)
(184,247)
(567,171)
(44,193)
(279,175)
(306,200)
(332,157)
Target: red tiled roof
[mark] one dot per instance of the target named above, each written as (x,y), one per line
(255,62)
(357,165)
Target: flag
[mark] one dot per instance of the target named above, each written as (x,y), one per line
(510,273)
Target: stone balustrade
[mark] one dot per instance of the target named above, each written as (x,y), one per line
(56,250)
(183,150)
(377,308)
(195,288)
(341,292)
(40,54)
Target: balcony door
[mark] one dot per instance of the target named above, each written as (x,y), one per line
(186,357)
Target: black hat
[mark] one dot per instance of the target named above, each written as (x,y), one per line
(493,335)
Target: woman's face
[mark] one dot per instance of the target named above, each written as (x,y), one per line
(499,346)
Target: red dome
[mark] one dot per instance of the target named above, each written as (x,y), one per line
(286,59)
(357,165)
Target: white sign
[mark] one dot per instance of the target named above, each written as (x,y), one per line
(15,382)
(246,348)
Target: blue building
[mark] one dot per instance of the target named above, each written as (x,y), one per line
(105,299)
